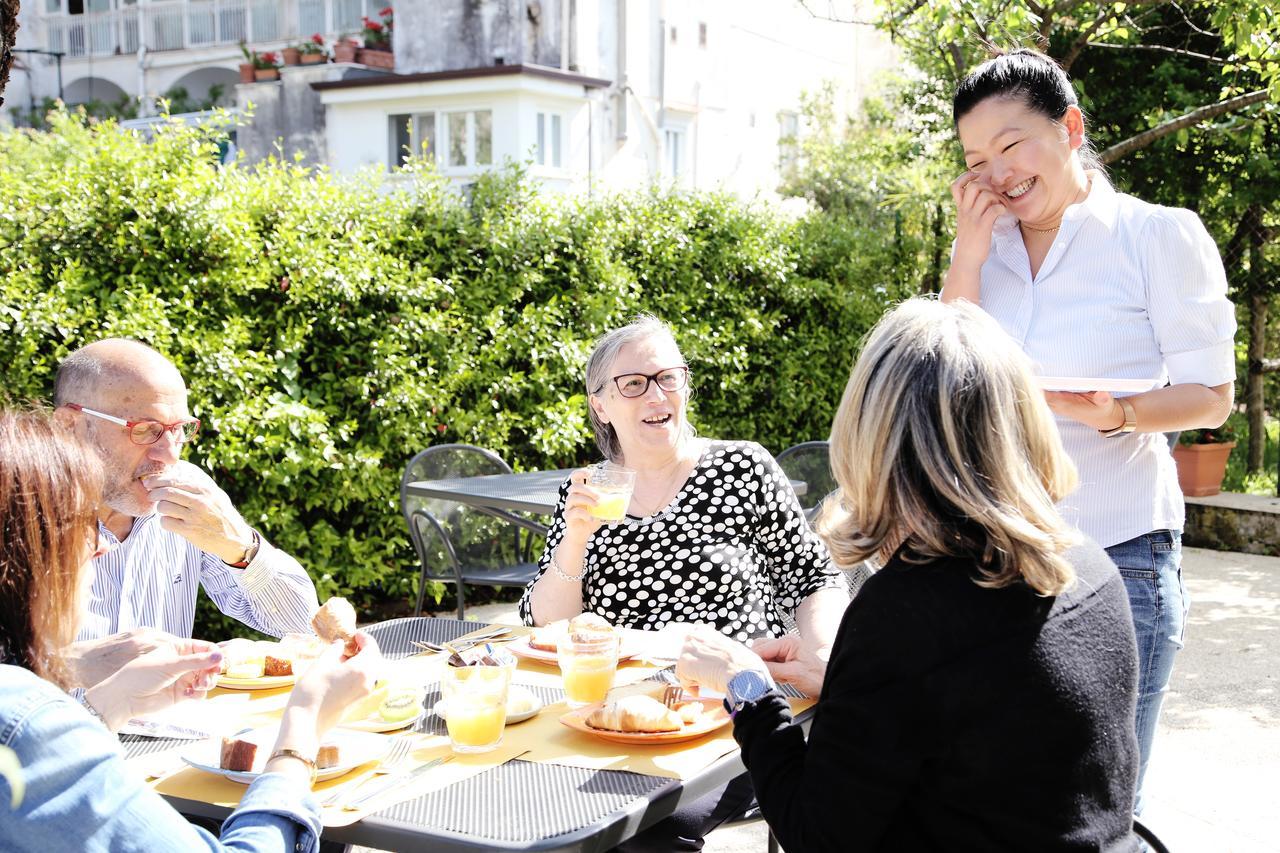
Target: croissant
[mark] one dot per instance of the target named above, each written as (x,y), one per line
(635,714)
(336,620)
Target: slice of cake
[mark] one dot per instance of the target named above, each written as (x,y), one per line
(238,754)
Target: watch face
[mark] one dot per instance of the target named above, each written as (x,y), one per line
(747,686)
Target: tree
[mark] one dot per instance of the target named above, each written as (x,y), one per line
(8,37)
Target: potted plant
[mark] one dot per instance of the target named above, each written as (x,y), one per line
(313,50)
(1201,456)
(246,67)
(345,49)
(266,66)
(377,40)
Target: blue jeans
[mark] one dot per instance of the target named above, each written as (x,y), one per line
(1151,566)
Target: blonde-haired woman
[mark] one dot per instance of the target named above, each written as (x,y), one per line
(980,694)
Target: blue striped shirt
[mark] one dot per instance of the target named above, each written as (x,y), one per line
(1129,290)
(151,579)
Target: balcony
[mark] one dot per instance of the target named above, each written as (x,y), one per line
(201,23)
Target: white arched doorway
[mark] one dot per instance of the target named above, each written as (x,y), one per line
(196,89)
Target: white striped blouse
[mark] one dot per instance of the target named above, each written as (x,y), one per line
(1129,290)
(151,580)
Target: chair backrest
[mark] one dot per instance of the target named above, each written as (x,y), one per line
(447,534)
(809,461)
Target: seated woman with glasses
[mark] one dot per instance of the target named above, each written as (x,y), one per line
(713,532)
(981,692)
(76,792)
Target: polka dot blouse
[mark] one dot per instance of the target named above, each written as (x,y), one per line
(732,549)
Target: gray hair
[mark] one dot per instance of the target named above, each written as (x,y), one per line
(597,374)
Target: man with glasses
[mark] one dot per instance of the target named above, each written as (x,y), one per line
(170,528)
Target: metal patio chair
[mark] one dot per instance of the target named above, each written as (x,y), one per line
(460,544)
(809,461)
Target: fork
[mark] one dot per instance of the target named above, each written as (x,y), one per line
(672,695)
(397,758)
(466,643)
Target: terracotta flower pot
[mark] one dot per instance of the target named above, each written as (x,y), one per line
(264,74)
(246,72)
(314,58)
(344,52)
(292,56)
(376,58)
(1201,467)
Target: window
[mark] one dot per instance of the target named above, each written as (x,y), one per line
(788,141)
(548,149)
(702,34)
(411,136)
(673,34)
(673,153)
(470,138)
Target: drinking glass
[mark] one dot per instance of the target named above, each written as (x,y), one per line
(475,700)
(587,663)
(614,485)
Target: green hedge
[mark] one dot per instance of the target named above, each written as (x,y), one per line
(329,327)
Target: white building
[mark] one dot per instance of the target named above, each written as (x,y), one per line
(590,93)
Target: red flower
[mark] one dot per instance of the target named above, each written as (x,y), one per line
(317,39)
(441,427)
(270,58)
(385,13)
(373,26)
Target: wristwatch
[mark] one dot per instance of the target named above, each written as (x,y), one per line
(1130,420)
(249,553)
(747,686)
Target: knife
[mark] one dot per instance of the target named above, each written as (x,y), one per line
(381,787)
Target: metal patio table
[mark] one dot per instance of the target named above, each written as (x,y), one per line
(518,805)
(502,494)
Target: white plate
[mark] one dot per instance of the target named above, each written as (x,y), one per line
(1075,383)
(262,682)
(440,709)
(357,747)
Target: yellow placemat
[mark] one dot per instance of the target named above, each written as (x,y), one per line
(192,784)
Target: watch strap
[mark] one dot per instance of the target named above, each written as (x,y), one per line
(250,552)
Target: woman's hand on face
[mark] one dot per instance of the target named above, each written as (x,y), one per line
(1097,409)
(579,521)
(977,209)
(334,681)
(709,659)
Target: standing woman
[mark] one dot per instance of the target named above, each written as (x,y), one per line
(1095,283)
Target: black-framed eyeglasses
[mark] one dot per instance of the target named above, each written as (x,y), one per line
(146,432)
(636,384)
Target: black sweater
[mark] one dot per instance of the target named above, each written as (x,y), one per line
(955,717)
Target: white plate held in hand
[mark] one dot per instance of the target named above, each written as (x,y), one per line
(1080,384)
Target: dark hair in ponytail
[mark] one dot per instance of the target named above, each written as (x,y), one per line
(1029,76)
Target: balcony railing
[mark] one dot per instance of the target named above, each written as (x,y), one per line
(202,23)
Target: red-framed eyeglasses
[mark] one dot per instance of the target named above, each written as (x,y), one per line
(147,431)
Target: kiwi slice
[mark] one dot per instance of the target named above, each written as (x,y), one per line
(401,706)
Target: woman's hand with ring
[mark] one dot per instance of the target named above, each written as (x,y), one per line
(978,207)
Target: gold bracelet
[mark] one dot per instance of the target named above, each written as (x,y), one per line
(1130,419)
(293,753)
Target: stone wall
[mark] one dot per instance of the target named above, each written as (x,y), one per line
(1233,522)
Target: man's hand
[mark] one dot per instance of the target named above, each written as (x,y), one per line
(709,659)
(790,661)
(191,505)
(95,660)
(185,669)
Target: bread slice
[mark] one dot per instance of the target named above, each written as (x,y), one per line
(328,756)
(238,755)
(273,666)
(336,620)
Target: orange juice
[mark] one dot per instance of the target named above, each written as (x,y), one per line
(611,506)
(475,724)
(588,679)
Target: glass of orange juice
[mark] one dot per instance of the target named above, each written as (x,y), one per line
(613,485)
(587,663)
(475,705)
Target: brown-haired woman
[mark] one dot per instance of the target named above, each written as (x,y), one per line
(78,793)
(980,694)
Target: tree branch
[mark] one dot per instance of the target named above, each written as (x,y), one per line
(1073,52)
(1177,51)
(1142,140)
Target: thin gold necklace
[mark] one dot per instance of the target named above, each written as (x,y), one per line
(1041,230)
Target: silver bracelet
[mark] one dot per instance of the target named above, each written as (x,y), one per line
(560,573)
(84,700)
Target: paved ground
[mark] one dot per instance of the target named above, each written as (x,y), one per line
(1214,775)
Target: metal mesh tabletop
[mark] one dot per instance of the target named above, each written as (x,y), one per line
(519,805)
(532,491)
